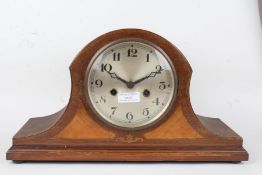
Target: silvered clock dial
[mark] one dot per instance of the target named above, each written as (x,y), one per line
(130,84)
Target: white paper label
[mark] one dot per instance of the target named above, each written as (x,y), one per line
(128,97)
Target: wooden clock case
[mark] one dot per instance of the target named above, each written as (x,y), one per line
(75,133)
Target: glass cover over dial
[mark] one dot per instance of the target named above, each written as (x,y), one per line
(130,84)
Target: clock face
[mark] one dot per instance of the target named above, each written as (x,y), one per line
(130,84)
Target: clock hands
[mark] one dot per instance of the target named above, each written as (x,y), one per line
(131,84)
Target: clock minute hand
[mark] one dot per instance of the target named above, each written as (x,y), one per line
(141,79)
(152,74)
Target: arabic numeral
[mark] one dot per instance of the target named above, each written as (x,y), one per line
(147,57)
(99,83)
(132,52)
(145,112)
(116,56)
(156,101)
(113,110)
(129,116)
(159,68)
(102,99)
(106,67)
(162,85)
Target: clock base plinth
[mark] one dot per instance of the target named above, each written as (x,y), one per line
(231,152)
(52,154)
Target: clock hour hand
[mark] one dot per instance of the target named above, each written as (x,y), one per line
(129,84)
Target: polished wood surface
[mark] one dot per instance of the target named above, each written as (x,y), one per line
(76,134)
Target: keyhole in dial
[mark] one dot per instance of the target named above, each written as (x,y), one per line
(113,92)
(146,93)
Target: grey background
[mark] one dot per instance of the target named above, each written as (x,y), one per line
(260,9)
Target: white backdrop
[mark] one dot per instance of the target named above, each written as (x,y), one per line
(220,38)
